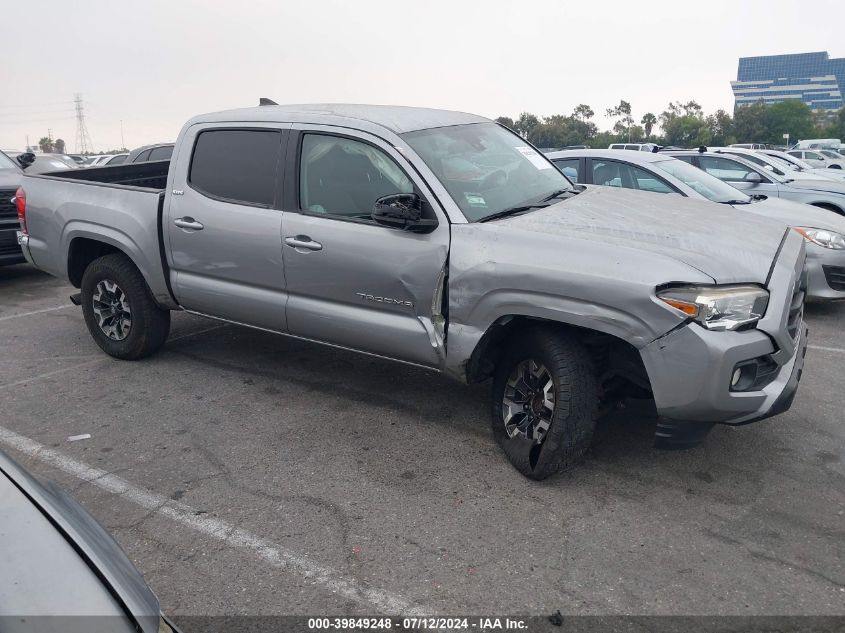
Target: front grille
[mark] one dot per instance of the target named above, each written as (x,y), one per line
(7,207)
(9,243)
(835,276)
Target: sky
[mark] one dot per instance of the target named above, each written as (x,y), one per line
(152,64)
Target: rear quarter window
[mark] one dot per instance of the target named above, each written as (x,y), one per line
(236,165)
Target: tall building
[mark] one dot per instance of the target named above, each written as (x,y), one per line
(814,78)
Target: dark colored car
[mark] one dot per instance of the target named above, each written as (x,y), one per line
(159,151)
(10,180)
(60,570)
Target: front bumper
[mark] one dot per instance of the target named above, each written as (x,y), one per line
(822,286)
(690,372)
(10,251)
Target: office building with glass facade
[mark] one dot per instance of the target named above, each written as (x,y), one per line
(814,78)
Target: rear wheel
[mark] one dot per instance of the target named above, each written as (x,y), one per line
(544,402)
(119,310)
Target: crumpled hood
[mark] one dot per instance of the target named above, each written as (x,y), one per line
(728,246)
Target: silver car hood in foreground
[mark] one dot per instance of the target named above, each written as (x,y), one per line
(728,246)
(59,569)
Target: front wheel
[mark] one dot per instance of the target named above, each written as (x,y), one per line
(119,311)
(544,402)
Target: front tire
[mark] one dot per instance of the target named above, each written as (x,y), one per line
(544,402)
(119,310)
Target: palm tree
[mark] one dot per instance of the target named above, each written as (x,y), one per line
(648,122)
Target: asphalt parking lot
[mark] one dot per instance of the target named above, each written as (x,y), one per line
(247,473)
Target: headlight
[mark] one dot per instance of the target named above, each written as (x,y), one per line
(822,237)
(718,307)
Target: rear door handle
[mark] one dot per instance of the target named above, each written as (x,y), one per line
(188,223)
(303,242)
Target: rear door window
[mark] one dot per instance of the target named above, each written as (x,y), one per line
(236,165)
(143,156)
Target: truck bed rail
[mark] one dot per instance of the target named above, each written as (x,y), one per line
(150,175)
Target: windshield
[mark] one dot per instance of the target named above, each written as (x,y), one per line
(708,186)
(787,158)
(7,163)
(486,168)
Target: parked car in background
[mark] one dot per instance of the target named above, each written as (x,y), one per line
(98,160)
(637,147)
(10,180)
(818,143)
(754,179)
(659,173)
(750,145)
(769,163)
(817,158)
(60,570)
(117,159)
(800,166)
(833,155)
(79,159)
(396,225)
(160,151)
(44,163)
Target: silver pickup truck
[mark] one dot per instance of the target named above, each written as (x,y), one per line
(443,240)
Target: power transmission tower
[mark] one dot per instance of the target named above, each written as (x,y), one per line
(83,140)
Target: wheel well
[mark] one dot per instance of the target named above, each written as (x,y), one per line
(828,207)
(81,253)
(617,363)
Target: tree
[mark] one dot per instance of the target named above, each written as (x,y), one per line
(749,124)
(59,146)
(648,122)
(623,113)
(720,125)
(583,112)
(793,117)
(525,124)
(506,121)
(46,145)
(684,124)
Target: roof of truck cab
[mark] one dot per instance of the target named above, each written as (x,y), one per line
(397,119)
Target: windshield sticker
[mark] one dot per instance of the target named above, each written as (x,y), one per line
(538,161)
(474,200)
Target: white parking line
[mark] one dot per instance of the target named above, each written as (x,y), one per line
(271,553)
(24,381)
(837,350)
(23,314)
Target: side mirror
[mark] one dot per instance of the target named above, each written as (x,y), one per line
(753,177)
(402,211)
(26,159)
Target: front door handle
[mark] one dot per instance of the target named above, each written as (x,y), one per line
(303,241)
(188,223)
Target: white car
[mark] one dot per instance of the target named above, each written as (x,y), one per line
(817,158)
(806,168)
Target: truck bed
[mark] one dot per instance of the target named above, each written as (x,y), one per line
(151,175)
(120,206)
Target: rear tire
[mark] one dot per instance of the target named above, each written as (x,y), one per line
(544,402)
(119,310)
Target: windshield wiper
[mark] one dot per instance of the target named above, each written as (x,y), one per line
(512,211)
(559,193)
(735,202)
